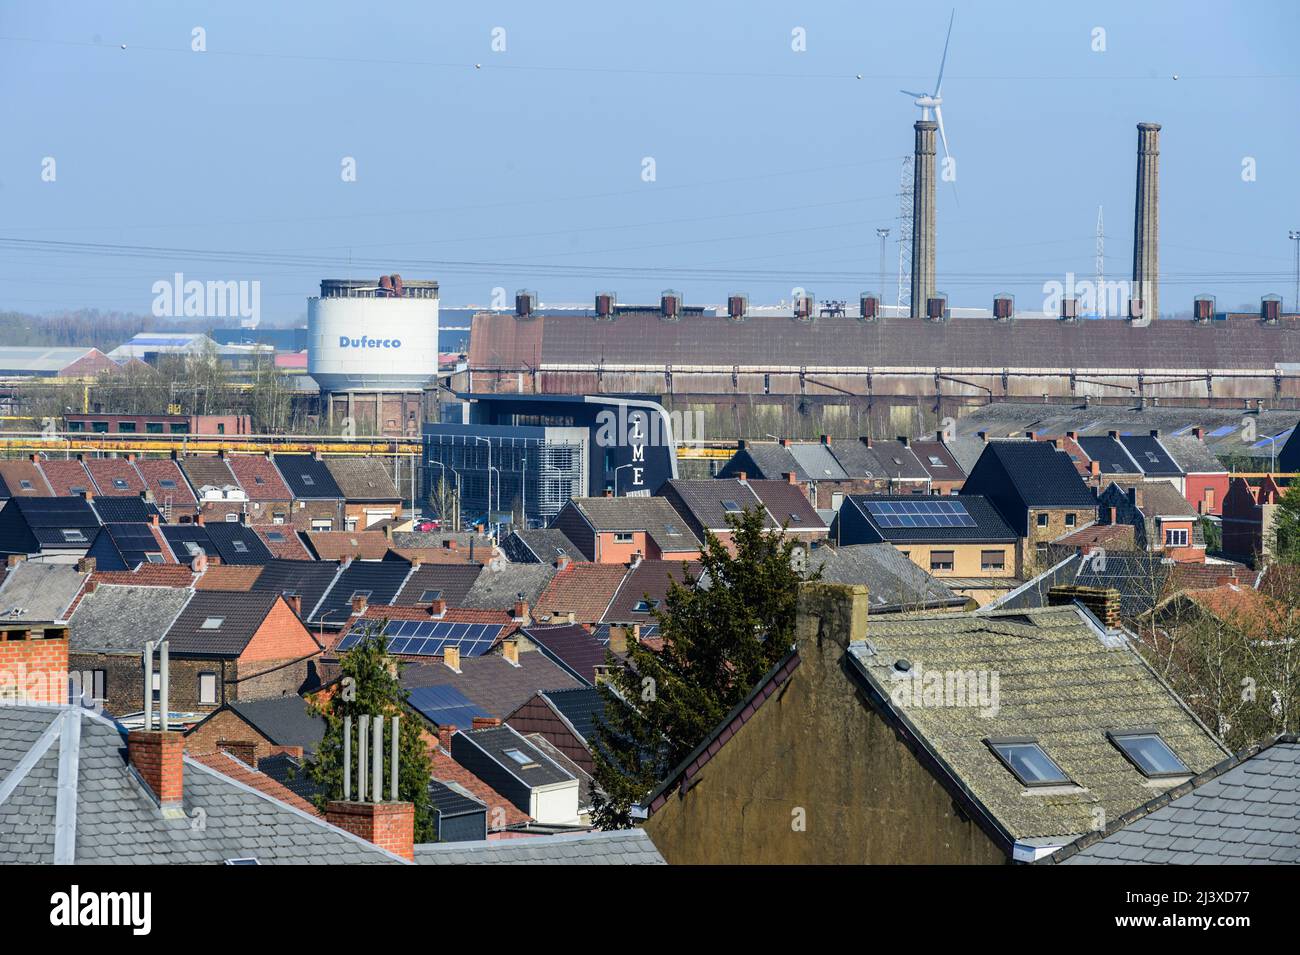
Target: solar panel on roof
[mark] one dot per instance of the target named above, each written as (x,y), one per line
(927,513)
(1225,430)
(430,638)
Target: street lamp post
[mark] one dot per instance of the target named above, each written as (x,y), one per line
(1294,236)
(490,469)
(616,470)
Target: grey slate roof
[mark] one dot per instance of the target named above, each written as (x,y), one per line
(309,579)
(286,721)
(1041,475)
(1246,810)
(491,682)
(1142,580)
(307,477)
(1192,455)
(654,515)
(451,581)
(363,479)
(498,741)
(815,460)
(112,819)
(704,499)
(500,584)
(121,618)
(893,582)
(37,592)
(616,847)
(542,545)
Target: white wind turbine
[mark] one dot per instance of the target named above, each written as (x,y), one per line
(934,101)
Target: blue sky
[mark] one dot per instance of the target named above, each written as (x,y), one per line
(773,168)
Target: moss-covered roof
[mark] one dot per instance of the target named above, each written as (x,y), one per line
(1059,680)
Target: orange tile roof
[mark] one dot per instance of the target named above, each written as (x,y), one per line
(584,589)
(1245,609)
(338,545)
(241,772)
(230,577)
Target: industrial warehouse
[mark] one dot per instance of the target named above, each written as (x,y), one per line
(663,438)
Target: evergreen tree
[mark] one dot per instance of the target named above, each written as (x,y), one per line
(721,634)
(369,687)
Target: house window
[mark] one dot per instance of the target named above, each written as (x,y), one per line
(522,758)
(212,623)
(167,484)
(993,561)
(257,479)
(350,525)
(277,517)
(936,462)
(153,427)
(429,596)
(645,606)
(25,485)
(1150,754)
(275,537)
(119,484)
(154,558)
(126,427)
(239,546)
(78,489)
(72,535)
(193,549)
(1028,761)
(731,507)
(207,688)
(321,525)
(76,426)
(672,531)
(941,559)
(99,427)
(1209,499)
(157,687)
(1042,520)
(1069,520)
(624,537)
(1175,537)
(308,481)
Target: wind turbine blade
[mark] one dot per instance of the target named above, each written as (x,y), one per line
(938,115)
(913,95)
(938,86)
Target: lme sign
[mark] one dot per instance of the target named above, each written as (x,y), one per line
(345,342)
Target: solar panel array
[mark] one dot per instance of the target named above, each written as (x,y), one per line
(428,638)
(134,541)
(920,514)
(444,706)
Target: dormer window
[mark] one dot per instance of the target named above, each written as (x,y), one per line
(1028,761)
(1150,754)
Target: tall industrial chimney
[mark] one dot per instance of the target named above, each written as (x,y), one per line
(923,217)
(1145,294)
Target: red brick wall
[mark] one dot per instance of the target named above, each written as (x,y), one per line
(157,757)
(33,668)
(536,717)
(282,636)
(389,825)
(224,728)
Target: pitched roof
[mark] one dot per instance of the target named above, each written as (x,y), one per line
(815,460)
(39,592)
(1150,455)
(653,515)
(491,682)
(572,647)
(282,541)
(339,545)
(285,721)
(131,544)
(543,545)
(66,478)
(110,818)
(501,812)
(1041,475)
(452,799)
(15,474)
(582,589)
(237,543)
(645,588)
(582,707)
(615,847)
(980,522)
(307,476)
(115,476)
(937,459)
(1245,810)
(498,741)
(500,584)
(123,507)
(378,580)
(240,771)
(228,577)
(1110,536)
(47,523)
(449,582)
(709,501)
(1060,683)
(363,479)
(214,625)
(207,470)
(894,459)
(788,505)
(764,459)
(164,478)
(309,579)
(893,582)
(258,477)
(1192,455)
(1112,456)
